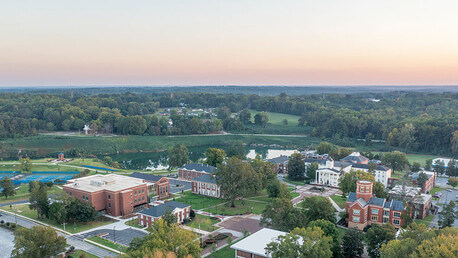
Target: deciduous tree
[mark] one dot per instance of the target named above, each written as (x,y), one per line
(25,165)
(7,187)
(448,215)
(324,148)
(347,183)
(396,160)
(37,241)
(245,116)
(296,167)
(378,235)
(177,155)
(280,214)
(261,119)
(317,207)
(214,156)
(352,243)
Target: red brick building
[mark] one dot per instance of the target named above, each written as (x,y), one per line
(281,164)
(194,170)
(148,216)
(429,184)
(365,209)
(157,185)
(110,194)
(60,157)
(205,185)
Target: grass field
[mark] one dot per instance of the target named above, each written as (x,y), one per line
(108,243)
(38,167)
(24,210)
(436,189)
(241,207)
(133,223)
(339,200)
(199,202)
(78,253)
(205,223)
(23,194)
(427,220)
(277,118)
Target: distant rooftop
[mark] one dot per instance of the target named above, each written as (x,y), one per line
(355,157)
(199,167)
(159,210)
(110,182)
(205,179)
(278,160)
(149,177)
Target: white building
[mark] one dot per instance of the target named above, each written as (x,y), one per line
(328,176)
(381,173)
(255,244)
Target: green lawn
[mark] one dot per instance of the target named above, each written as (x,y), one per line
(74,227)
(339,200)
(133,223)
(23,194)
(436,189)
(78,253)
(205,223)
(224,252)
(199,202)
(108,243)
(277,118)
(241,207)
(294,182)
(420,158)
(427,220)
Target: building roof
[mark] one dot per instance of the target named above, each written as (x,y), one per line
(351,197)
(205,179)
(377,201)
(366,166)
(417,174)
(110,182)
(257,242)
(331,170)
(148,177)
(159,210)
(409,191)
(279,160)
(343,164)
(355,157)
(319,161)
(200,167)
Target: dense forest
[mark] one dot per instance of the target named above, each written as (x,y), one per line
(424,122)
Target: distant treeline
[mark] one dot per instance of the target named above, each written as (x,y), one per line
(425,122)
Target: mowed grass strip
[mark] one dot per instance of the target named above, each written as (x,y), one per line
(108,243)
(23,193)
(341,202)
(241,207)
(72,227)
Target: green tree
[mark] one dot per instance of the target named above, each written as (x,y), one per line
(347,183)
(280,214)
(329,230)
(429,164)
(415,167)
(177,155)
(324,148)
(166,237)
(439,167)
(236,149)
(453,181)
(37,241)
(452,169)
(25,165)
(398,248)
(108,160)
(265,169)
(379,190)
(223,112)
(237,179)
(261,119)
(352,243)
(448,215)
(276,189)
(245,116)
(301,242)
(169,217)
(58,212)
(7,187)
(39,199)
(396,160)
(311,171)
(296,167)
(440,246)
(378,235)
(214,156)
(421,180)
(317,207)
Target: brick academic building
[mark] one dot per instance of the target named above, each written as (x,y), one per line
(111,194)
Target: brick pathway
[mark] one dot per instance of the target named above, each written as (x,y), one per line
(306,191)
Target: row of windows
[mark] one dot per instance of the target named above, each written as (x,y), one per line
(85,197)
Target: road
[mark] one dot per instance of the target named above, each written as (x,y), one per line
(75,241)
(444,200)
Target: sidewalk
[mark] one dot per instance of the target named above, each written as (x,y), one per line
(335,205)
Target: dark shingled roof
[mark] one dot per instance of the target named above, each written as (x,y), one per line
(417,174)
(206,179)
(366,166)
(144,176)
(377,201)
(199,167)
(355,158)
(351,197)
(158,211)
(395,205)
(278,160)
(341,164)
(319,161)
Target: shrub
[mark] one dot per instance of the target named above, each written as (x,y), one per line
(7,224)
(13,225)
(192,214)
(2,222)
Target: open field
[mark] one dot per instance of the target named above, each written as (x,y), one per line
(23,194)
(436,189)
(241,207)
(78,253)
(277,118)
(49,146)
(74,227)
(199,202)
(427,220)
(133,223)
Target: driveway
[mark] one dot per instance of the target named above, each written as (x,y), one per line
(183,185)
(444,200)
(442,182)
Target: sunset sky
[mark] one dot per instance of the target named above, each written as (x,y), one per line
(236,42)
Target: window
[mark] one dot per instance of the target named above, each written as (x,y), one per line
(355,219)
(385,220)
(368,189)
(374,211)
(109,197)
(143,190)
(397,214)
(135,192)
(70,193)
(355,212)
(361,189)
(386,213)
(109,205)
(396,222)
(143,198)
(374,218)
(87,198)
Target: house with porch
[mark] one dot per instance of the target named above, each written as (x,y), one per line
(148,216)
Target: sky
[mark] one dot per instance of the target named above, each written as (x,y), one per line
(231,42)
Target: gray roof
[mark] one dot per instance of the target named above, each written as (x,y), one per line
(148,177)
(341,164)
(395,205)
(158,211)
(377,201)
(278,160)
(354,158)
(200,167)
(417,174)
(351,197)
(319,161)
(362,202)
(366,166)
(206,179)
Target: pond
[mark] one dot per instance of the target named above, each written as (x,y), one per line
(158,160)
(6,242)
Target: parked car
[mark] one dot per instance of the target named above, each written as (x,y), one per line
(437,195)
(449,190)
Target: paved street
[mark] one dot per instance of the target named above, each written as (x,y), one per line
(444,200)
(186,185)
